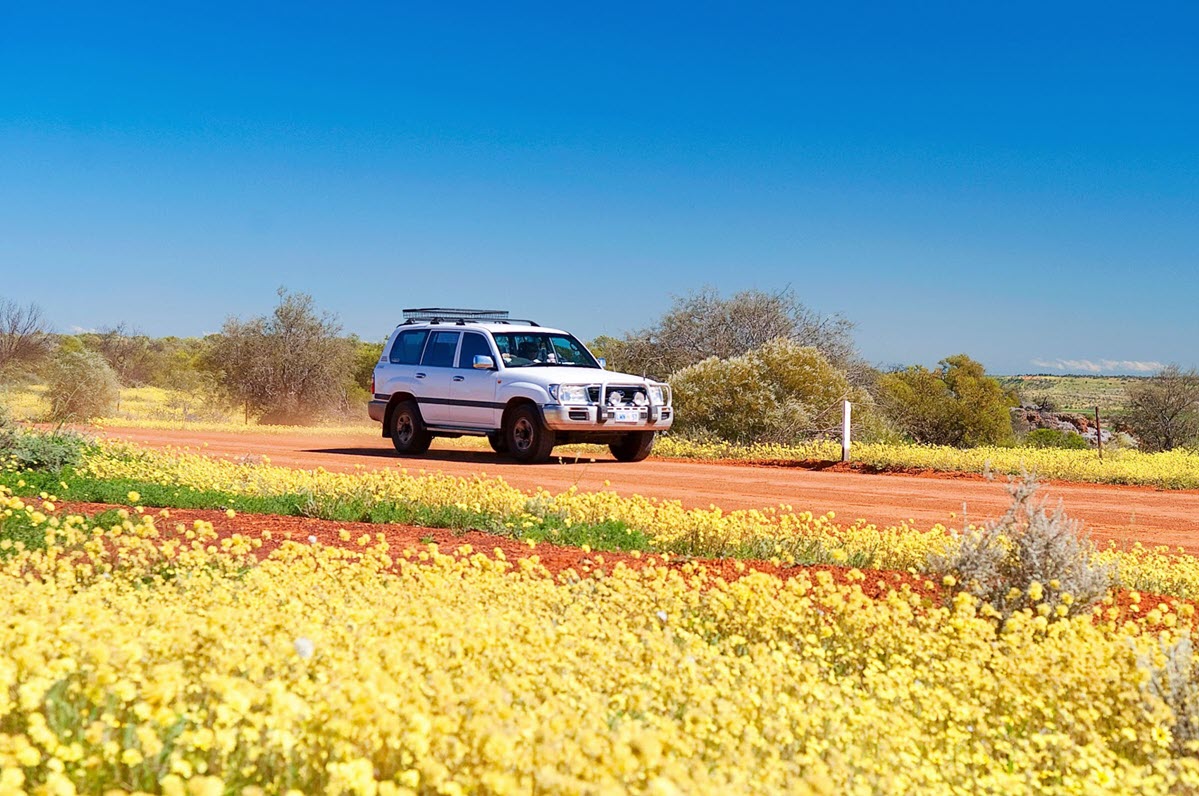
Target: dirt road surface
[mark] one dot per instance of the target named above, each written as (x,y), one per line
(1123,513)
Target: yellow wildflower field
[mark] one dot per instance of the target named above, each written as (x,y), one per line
(1177,469)
(780,532)
(148,657)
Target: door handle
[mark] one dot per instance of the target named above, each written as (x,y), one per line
(420,375)
(459,378)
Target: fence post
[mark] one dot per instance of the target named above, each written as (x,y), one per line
(1098,434)
(846,412)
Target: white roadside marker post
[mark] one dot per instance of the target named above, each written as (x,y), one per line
(846,412)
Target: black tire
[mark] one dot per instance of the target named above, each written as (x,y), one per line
(499,441)
(408,432)
(527,438)
(633,447)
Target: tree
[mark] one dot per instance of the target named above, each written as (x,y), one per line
(702,324)
(80,386)
(284,368)
(1163,411)
(135,358)
(24,337)
(956,404)
(779,392)
(366,356)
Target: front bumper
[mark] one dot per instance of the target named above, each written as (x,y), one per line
(604,419)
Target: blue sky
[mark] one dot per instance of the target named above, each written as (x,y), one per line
(1019,182)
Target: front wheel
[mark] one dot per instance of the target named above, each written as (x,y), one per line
(633,447)
(529,441)
(408,432)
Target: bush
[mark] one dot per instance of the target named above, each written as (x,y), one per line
(957,404)
(80,386)
(1055,438)
(777,393)
(1163,411)
(8,432)
(48,450)
(1029,558)
(31,450)
(288,367)
(703,324)
(1174,680)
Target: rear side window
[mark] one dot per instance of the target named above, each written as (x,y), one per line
(440,351)
(407,347)
(473,345)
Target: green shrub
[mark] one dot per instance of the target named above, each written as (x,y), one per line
(1029,558)
(1055,438)
(47,450)
(35,450)
(957,404)
(778,393)
(81,385)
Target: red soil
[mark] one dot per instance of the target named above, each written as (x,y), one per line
(557,559)
(1124,514)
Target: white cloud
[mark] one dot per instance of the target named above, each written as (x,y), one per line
(1099,366)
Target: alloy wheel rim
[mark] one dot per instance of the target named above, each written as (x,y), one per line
(523,434)
(404,428)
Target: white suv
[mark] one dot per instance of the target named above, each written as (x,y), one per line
(452,372)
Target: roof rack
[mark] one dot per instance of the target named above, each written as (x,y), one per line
(460,316)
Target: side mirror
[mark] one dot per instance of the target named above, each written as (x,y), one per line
(484,362)
(603,363)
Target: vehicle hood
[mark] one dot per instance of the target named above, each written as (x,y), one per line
(571,375)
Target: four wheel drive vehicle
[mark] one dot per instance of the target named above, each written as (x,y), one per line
(453,372)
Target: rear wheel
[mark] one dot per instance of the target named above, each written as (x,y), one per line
(633,447)
(408,432)
(527,438)
(499,443)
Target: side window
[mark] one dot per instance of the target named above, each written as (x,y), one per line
(473,345)
(407,347)
(440,351)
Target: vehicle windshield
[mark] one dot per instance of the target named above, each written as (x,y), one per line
(542,349)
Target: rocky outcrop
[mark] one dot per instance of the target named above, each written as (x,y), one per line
(1026,418)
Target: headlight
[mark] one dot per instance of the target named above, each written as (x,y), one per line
(655,395)
(569,393)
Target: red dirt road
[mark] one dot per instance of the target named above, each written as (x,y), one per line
(1126,514)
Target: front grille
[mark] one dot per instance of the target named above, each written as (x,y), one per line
(628,392)
(579,414)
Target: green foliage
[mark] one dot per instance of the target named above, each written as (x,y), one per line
(37,450)
(777,393)
(1055,438)
(957,404)
(366,356)
(80,386)
(1163,411)
(50,451)
(78,485)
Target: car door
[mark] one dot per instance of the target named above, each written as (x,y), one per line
(472,390)
(397,372)
(433,377)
